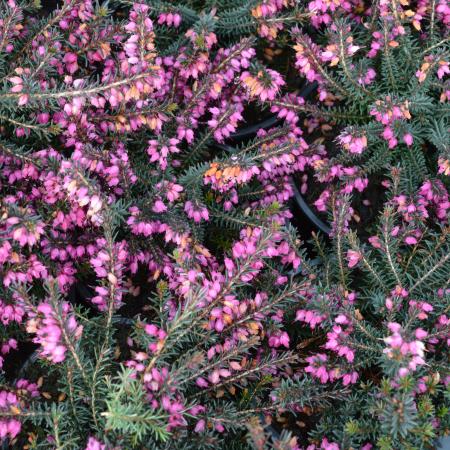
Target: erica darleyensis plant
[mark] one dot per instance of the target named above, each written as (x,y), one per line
(379,309)
(111,188)
(233,18)
(382,77)
(150,281)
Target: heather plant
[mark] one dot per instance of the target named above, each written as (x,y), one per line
(174,376)
(147,267)
(379,309)
(231,19)
(381,73)
(136,142)
(110,181)
(376,103)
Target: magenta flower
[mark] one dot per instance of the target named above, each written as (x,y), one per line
(353,258)
(94,444)
(353,144)
(47,325)
(195,212)
(408,139)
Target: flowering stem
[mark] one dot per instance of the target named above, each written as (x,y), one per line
(25,49)
(173,327)
(199,146)
(79,92)
(432,17)
(270,363)
(278,151)
(105,347)
(320,112)
(394,8)
(71,392)
(358,323)
(6,28)
(67,340)
(24,125)
(24,414)
(343,61)
(65,8)
(236,351)
(56,437)
(119,116)
(294,289)
(319,67)
(221,214)
(8,151)
(339,214)
(286,19)
(375,14)
(193,304)
(365,261)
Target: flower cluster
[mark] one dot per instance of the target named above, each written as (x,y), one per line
(370,100)
(151,283)
(52,329)
(11,402)
(409,354)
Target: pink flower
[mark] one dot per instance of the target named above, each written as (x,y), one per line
(311,317)
(18,84)
(195,212)
(159,207)
(70,60)
(201,382)
(353,258)
(420,334)
(353,143)
(265,85)
(410,353)
(170,19)
(46,324)
(375,241)
(277,340)
(408,139)
(411,240)
(151,329)
(350,378)
(200,426)
(367,79)
(444,68)
(23,99)
(341,319)
(94,444)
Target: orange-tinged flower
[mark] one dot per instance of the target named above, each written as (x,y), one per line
(212,170)
(318,163)
(444,166)
(256,12)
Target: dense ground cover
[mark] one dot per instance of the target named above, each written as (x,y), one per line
(159,288)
